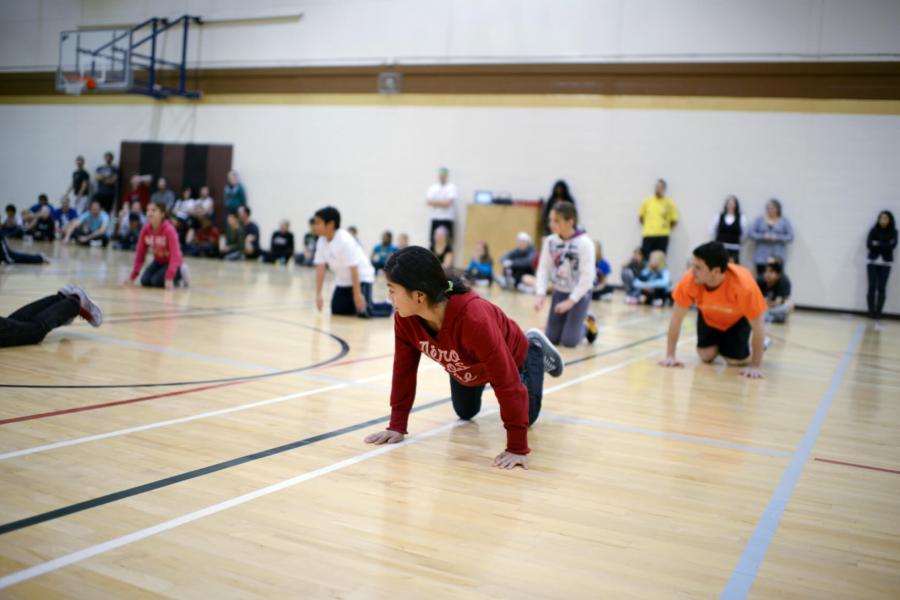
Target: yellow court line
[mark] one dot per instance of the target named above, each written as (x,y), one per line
(676,103)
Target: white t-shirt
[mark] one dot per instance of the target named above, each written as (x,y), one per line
(342,253)
(442,192)
(569,264)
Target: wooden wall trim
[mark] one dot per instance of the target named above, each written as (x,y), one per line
(822,80)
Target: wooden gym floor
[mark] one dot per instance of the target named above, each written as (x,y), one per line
(207,443)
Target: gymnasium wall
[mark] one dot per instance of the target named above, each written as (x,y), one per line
(335,32)
(375,157)
(831,161)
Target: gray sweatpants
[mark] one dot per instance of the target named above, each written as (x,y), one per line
(778,314)
(567,329)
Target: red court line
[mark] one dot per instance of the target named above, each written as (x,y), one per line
(76,409)
(355,360)
(849,464)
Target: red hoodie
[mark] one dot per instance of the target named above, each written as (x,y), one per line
(166,249)
(477,344)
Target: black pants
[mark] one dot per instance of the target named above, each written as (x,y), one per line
(733,343)
(435,223)
(271,257)
(518,272)
(31,323)
(656,242)
(467,400)
(207,249)
(10,256)
(878,276)
(656,294)
(342,302)
(104,240)
(734,255)
(106,201)
(155,275)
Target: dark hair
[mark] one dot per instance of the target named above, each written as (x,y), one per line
(737,206)
(487,252)
(390,236)
(713,254)
(566,210)
(776,264)
(43,197)
(10,207)
(777,204)
(109,154)
(246,209)
(418,269)
(565,194)
(161,205)
(663,181)
(329,214)
(892,226)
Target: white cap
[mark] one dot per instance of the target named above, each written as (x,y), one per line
(523,237)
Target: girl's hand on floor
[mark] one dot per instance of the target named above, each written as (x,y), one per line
(508,460)
(384,437)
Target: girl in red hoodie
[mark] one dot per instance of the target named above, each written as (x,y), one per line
(168,266)
(475,342)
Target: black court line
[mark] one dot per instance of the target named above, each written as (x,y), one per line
(345,349)
(234,462)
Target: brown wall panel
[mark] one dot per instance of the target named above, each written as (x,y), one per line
(847,80)
(218,163)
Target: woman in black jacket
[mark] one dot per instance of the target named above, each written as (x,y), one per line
(881,243)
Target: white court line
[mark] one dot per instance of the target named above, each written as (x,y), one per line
(91,551)
(74,557)
(215,413)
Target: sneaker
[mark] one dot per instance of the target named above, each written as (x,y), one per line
(185,274)
(553,362)
(90,311)
(878,326)
(590,322)
(525,289)
(767,341)
(657,302)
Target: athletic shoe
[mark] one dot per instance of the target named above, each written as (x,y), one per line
(89,311)
(878,326)
(553,362)
(590,321)
(767,341)
(658,302)
(185,274)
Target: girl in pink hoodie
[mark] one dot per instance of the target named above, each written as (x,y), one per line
(167,268)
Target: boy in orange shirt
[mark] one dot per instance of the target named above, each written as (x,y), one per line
(729,306)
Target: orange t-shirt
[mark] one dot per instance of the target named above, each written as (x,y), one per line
(737,296)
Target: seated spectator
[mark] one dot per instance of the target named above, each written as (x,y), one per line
(631,272)
(123,224)
(129,238)
(203,206)
(776,289)
(518,262)
(64,215)
(92,228)
(654,284)
(139,191)
(440,245)
(203,240)
(352,230)
(181,228)
(163,194)
(30,216)
(402,241)
(281,248)
(231,243)
(251,234)
(184,207)
(602,289)
(481,266)
(383,251)
(12,226)
(309,247)
(43,227)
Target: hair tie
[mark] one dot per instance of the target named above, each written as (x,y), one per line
(449,287)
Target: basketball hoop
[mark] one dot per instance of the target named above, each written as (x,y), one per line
(75,85)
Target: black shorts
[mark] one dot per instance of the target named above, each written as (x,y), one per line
(733,343)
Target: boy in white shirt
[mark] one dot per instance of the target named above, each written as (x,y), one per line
(353,273)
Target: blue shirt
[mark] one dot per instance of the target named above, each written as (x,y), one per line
(94,223)
(382,252)
(64,217)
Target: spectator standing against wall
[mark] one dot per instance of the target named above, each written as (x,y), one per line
(658,215)
(106,177)
(441,197)
(772,232)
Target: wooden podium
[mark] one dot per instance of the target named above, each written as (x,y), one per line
(498,225)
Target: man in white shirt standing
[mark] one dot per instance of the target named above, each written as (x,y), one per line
(353,273)
(441,197)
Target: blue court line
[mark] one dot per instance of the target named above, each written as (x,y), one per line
(747,568)
(680,437)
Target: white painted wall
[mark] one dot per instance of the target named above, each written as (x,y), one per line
(439,31)
(833,172)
